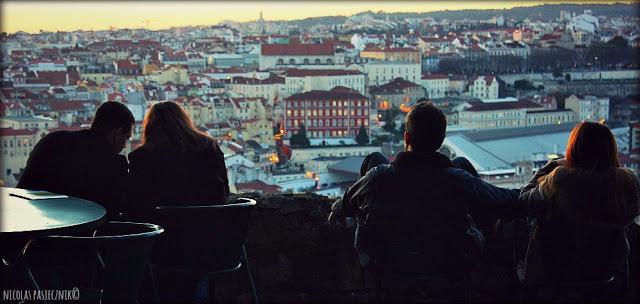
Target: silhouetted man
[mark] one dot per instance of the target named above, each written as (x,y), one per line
(84,163)
(413,215)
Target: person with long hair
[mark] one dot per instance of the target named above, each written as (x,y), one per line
(176,164)
(582,205)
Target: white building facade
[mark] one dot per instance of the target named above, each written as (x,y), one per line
(588,107)
(485,87)
(381,72)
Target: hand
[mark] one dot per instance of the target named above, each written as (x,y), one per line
(337,219)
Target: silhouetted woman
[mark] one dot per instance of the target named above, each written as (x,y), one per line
(582,204)
(176,164)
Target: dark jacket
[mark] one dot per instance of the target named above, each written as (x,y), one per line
(412,215)
(169,178)
(77,163)
(578,236)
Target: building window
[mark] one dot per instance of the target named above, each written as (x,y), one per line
(292,61)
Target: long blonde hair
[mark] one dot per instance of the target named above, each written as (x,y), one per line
(167,127)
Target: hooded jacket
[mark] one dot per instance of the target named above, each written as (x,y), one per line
(581,217)
(412,215)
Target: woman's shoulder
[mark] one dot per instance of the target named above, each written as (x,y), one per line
(627,177)
(141,153)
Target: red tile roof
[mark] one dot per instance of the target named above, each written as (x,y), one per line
(7,132)
(258,186)
(324,49)
(116,97)
(126,64)
(245,80)
(179,56)
(396,85)
(337,93)
(435,76)
(59,78)
(488,80)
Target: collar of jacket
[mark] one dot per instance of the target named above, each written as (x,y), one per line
(435,160)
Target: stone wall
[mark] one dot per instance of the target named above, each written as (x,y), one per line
(295,255)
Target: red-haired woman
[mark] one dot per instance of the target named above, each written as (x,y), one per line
(582,205)
(175,164)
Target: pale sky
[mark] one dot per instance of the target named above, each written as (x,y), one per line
(32,16)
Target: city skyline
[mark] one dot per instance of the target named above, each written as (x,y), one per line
(33,16)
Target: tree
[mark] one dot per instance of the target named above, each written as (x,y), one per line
(300,139)
(380,139)
(362,138)
(523,84)
(389,119)
(619,42)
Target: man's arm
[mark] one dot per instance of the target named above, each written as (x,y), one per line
(351,203)
(487,196)
(531,199)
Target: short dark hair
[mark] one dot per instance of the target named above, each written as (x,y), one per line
(426,126)
(112,115)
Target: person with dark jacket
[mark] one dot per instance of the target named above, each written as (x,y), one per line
(413,215)
(176,164)
(85,163)
(582,205)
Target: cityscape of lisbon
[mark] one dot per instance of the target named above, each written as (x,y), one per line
(296,105)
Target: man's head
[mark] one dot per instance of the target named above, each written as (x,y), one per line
(425,128)
(114,122)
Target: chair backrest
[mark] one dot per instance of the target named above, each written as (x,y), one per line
(202,238)
(580,255)
(122,249)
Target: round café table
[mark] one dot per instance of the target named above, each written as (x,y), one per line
(23,219)
(30,218)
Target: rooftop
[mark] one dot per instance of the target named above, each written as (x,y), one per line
(334,94)
(322,72)
(496,106)
(7,132)
(324,49)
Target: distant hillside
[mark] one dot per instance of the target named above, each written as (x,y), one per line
(540,12)
(326,20)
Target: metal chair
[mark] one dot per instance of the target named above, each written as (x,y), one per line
(598,290)
(205,240)
(119,253)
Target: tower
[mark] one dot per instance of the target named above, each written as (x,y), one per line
(261,24)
